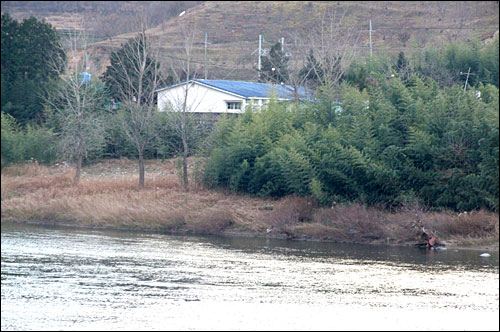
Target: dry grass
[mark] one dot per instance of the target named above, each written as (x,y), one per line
(107,196)
(211,221)
(289,212)
(474,224)
(107,199)
(470,228)
(297,217)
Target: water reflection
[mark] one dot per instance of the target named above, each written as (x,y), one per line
(79,279)
(448,258)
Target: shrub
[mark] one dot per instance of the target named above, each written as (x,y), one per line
(31,143)
(291,210)
(11,143)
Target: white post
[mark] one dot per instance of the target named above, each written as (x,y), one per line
(371,47)
(260,53)
(205,55)
(467,79)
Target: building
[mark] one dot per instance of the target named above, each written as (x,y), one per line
(219,96)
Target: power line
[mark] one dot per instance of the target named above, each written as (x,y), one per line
(435,28)
(361,29)
(198,62)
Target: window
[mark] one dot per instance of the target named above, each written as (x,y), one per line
(233,105)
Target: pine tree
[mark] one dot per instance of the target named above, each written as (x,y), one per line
(31,59)
(122,76)
(312,71)
(275,66)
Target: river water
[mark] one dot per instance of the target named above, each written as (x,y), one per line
(73,279)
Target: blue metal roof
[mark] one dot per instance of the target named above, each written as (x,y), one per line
(252,89)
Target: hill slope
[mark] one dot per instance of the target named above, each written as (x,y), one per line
(233,28)
(103,19)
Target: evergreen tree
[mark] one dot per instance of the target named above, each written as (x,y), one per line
(312,71)
(31,59)
(402,66)
(122,75)
(488,70)
(275,66)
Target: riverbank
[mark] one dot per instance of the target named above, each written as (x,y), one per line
(107,197)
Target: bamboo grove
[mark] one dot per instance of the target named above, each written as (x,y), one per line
(393,143)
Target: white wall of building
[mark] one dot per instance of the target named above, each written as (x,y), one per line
(201,99)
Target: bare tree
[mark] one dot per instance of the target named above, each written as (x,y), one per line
(72,104)
(321,58)
(333,46)
(298,70)
(133,76)
(185,68)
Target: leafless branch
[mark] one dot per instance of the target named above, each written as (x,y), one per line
(333,46)
(74,100)
(138,78)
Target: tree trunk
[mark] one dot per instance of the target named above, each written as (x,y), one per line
(296,94)
(78,168)
(79,157)
(184,158)
(184,137)
(141,170)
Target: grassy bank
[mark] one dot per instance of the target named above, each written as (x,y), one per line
(107,197)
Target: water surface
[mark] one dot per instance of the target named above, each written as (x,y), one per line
(70,279)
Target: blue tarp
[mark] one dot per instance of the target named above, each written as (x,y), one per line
(85,77)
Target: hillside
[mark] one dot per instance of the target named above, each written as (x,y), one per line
(103,19)
(233,28)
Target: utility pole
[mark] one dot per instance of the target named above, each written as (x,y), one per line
(205,55)
(467,79)
(371,45)
(260,53)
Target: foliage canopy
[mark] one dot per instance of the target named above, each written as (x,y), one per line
(31,59)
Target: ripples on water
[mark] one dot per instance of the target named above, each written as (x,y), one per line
(74,279)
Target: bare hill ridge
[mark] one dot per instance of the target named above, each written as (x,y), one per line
(233,28)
